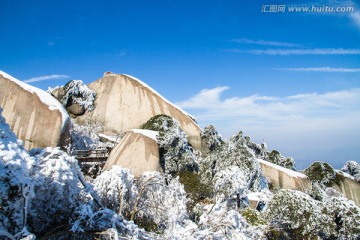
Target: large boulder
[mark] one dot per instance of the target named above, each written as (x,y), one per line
(33,115)
(349,187)
(75,96)
(138,151)
(123,103)
(284,178)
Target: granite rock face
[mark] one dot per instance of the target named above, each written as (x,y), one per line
(349,187)
(36,118)
(138,151)
(123,103)
(283,177)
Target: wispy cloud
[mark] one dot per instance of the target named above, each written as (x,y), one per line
(355,16)
(286,52)
(51,43)
(123,53)
(310,126)
(266,43)
(270,106)
(44,78)
(322,69)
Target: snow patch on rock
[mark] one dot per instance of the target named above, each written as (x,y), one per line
(148,133)
(45,97)
(282,169)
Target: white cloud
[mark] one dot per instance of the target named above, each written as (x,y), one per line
(204,98)
(271,107)
(44,78)
(266,43)
(284,52)
(322,69)
(309,126)
(123,53)
(355,16)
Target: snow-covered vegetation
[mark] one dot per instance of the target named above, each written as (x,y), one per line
(45,193)
(278,159)
(55,176)
(296,215)
(352,168)
(176,154)
(80,94)
(218,192)
(16,187)
(233,155)
(75,92)
(322,173)
(116,189)
(87,137)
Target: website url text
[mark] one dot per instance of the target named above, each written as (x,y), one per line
(304,9)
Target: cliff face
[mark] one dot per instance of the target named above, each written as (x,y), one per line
(33,115)
(137,151)
(123,103)
(350,188)
(283,177)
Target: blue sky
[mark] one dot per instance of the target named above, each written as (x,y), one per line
(291,79)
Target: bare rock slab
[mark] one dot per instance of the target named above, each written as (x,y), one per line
(124,102)
(283,177)
(138,151)
(36,118)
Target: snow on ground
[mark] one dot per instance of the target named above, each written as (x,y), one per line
(44,97)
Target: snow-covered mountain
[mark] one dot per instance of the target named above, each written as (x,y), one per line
(220,189)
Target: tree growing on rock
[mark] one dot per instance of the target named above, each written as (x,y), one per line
(352,168)
(75,96)
(210,140)
(278,159)
(176,153)
(235,152)
(322,173)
